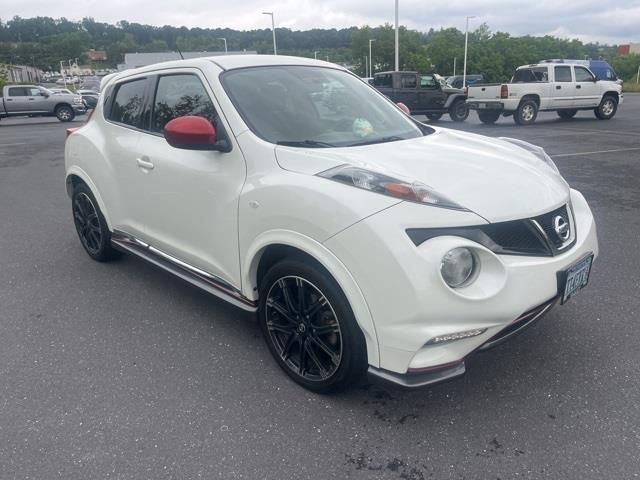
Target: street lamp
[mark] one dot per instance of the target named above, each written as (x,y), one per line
(371,40)
(315,54)
(397,44)
(466,41)
(225,43)
(273,29)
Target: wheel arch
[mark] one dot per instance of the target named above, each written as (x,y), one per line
(531,96)
(76,175)
(272,246)
(612,93)
(454,97)
(62,104)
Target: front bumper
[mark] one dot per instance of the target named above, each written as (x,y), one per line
(79,109)
(410,303)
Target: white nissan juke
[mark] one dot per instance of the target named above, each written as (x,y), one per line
(363,239)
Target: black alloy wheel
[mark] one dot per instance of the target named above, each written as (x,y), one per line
(310,328)
(91,226)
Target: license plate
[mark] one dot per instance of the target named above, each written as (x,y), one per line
(576,277)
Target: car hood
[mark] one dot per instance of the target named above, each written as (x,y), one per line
(493,178)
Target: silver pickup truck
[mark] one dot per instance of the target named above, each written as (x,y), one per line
(36,101)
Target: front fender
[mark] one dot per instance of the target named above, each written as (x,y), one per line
(329,261)
(452,98)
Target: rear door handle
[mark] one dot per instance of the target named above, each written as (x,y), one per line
(144,164)
(558,87)
(578,86)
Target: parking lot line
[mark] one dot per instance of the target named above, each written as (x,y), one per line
(12,144)
(577,154)
(592,132)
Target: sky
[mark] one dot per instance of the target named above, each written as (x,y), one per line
(606,21)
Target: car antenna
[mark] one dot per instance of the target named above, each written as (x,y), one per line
(181,56)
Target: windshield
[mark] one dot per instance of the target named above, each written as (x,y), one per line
(314,107)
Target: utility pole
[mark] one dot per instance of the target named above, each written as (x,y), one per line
(225,44)
(273,29)
(371,40)
(454,66)
(397,42)
(466,42)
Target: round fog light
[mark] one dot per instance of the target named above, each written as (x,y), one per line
(458,266)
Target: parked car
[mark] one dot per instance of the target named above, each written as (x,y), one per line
(363,239)
(422,94)
(35,101)
(456,81)
(560,87)
(61,90)
(600,68)
(89,97)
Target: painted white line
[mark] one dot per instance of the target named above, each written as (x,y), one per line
(593,153)
(11,144)
(592,132)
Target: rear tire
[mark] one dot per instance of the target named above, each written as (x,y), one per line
(607,108)
(567,114)
(527,112)
(459,111)
(434,116)
(488,117)
(309,326)
(91,226)
(65,113)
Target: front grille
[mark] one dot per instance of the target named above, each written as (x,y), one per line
(532,236)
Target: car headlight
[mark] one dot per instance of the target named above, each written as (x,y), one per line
(536,150)
(458,267)
(386,185)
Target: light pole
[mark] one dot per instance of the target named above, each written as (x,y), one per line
(225,43)
(273,29)
(366,65)
(315,55)
(371,40)
(397,43)
(454,66)
(638,75)
(466,42)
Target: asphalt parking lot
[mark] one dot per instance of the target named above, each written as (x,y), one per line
(122,371)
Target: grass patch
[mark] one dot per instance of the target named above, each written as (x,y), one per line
(631,86)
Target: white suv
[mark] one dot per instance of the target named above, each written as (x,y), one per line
(363,239)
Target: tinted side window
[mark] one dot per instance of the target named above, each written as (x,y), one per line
(427,81)
(383,80)
(128,103)
(177,96)
(408,81)
(531,75)
(562,74)
(17,92)
(583,75)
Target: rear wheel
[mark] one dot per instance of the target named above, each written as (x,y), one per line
(459,111)
(527,112)
(64,113)
(607,108)
(309,327)
(434,116)
(567,114)
(488,116)
(91,226)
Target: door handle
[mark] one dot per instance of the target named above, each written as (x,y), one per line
(578,86)
(31,99)
(558,87)
(144,164)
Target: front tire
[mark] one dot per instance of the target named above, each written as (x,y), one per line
(567,114)
(459,111)
(91,226)
(434,116)
(607,108)
(65,113)
(309,326)
(488,117)
(527,112)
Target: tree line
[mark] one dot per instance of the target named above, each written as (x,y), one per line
(43,42)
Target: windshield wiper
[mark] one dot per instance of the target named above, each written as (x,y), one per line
(392,138)
(305,143)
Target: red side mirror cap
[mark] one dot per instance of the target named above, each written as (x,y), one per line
(191,133)
(404,108)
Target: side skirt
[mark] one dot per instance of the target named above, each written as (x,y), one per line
(201,279)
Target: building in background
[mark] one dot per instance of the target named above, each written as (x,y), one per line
(20,73)
(135,60)
(96,55)
(629,49)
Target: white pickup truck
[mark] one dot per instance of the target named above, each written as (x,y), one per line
(561,87)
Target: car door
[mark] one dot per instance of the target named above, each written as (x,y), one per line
(16,100)
(587,88)
(563,92)
(407,92)
(36,100)
(125,113)
(430,94)
(192,195)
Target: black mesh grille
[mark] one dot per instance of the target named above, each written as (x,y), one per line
(516,237)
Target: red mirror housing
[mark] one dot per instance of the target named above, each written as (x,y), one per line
(191,133)
(404,108)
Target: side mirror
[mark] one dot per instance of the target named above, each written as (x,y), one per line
(193,133)
(404,108)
